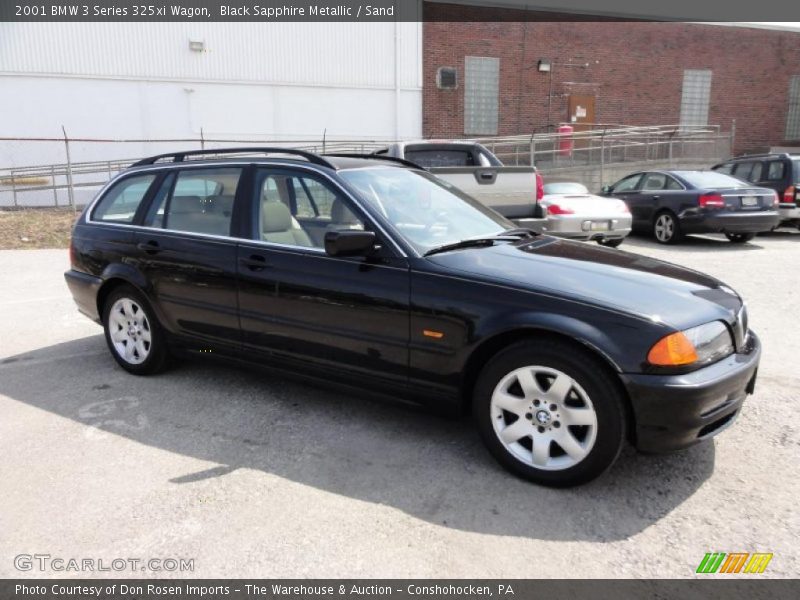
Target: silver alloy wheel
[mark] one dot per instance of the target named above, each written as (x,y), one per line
(129,330)
(544,418)
(665,228)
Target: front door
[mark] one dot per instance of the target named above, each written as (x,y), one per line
(328,317)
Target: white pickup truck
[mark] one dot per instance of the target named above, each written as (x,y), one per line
(511,191)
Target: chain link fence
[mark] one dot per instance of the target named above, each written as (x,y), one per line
(64,171)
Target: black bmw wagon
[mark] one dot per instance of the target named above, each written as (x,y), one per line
(372,274)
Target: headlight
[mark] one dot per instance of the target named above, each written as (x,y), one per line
(696,346)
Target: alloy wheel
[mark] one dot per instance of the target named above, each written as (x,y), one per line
(543,418)
(664,228)
(129,330)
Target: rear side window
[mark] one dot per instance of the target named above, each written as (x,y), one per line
(120,203)
(201,202)
(654,181)
(743,171)
(441,158)
(727,168)
(776,170)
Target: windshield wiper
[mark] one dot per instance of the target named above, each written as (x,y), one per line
(508,234)
(471,243)
(519,231)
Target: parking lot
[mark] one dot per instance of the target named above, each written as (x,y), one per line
(255,476)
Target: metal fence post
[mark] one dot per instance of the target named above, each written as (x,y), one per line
(533,149)
(55,189)
(13,186)
(602,158)
(202,140)
(70,190)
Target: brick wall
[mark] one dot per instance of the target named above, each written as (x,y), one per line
(635,72)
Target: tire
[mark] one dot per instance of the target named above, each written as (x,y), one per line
(611,243)
(740,238)
(666,228)
(533,449)
(133,334)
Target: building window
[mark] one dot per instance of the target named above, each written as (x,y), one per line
(481,83)
(695,97)
(793,114)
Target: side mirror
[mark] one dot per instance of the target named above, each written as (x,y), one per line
(349,242)
(606,189)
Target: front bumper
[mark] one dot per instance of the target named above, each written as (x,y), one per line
(579,227)
(84,288)
(676,411)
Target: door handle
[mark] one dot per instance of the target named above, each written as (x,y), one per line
(487,175)
(150,247)
(254,262)
(656,197)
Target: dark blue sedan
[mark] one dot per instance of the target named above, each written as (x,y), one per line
(671,204)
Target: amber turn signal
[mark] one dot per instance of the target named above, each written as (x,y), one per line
(672,351)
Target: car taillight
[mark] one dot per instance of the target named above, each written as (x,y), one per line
(788,194)
(539,186)
(776,200)
(712,201)
(623,207)
(555,209)
(72,254)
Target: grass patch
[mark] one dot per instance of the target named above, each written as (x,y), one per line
(36,228)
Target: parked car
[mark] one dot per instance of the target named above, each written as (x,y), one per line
(377,277)
(779,172)
(472,168)
(671,204)
(572,212)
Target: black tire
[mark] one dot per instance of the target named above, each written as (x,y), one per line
(611,243)
(667,228)
(157,353)
(740,238)
(593,379)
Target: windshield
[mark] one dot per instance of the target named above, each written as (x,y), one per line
(565,188)
(425,210)
(711,179)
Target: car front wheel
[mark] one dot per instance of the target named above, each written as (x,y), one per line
(740,238)
(132,332)
(550,414)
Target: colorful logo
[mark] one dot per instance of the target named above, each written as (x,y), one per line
(735,562)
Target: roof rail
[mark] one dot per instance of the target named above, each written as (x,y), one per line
(401,161)
(180,156)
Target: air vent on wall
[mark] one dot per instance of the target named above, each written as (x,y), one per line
(446,78)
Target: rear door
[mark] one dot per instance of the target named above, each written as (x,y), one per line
(329,317)
(188,254)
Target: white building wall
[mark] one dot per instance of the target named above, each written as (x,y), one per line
(279,81)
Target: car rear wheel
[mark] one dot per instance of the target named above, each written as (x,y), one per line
(666,228)
(550,414)
(740,238)
(132,332)
(611,243)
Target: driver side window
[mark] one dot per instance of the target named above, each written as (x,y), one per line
(628,184)
(298,209)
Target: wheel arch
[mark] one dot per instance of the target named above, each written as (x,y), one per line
(494,344)
(115,276)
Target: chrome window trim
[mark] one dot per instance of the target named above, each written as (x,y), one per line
(167,167)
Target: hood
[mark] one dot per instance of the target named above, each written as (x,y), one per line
(631,283)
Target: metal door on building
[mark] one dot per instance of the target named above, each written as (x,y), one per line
(581,115)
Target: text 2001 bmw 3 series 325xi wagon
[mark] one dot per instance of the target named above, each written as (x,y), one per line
(373,274)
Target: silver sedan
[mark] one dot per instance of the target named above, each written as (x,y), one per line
(572,212)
